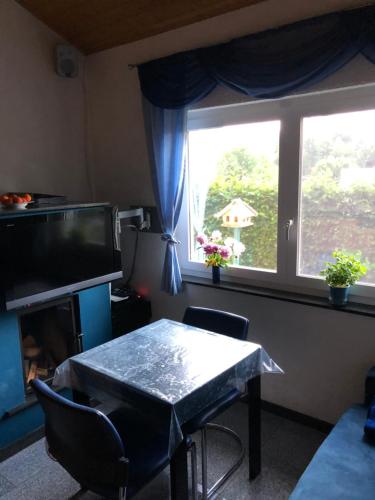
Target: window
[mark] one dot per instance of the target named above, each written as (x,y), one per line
(288,181)
(233,174)
(337,190)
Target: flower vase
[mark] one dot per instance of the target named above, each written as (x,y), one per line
(215,275)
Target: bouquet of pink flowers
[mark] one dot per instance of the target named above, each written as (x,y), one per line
(216,251)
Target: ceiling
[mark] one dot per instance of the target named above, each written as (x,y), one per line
(94,25)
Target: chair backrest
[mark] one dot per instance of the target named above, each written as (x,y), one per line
(216,321)
(83,440)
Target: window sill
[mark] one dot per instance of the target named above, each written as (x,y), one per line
(297,298)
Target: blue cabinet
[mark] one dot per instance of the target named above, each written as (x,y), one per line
(95,312)
(12,389)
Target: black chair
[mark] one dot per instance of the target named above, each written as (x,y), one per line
(237,327)
(113,456)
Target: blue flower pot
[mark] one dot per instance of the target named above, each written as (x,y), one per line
(215,275)
(338,296)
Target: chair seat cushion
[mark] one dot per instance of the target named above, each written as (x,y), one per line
(210,412)
(145,447)
(344,466)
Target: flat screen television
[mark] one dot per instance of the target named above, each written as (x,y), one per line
(48,254)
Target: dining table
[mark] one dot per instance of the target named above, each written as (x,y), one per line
(172,371)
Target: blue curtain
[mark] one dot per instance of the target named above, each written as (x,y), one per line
(270,64)
(165,131)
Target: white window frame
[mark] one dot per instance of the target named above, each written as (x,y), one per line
(290,111)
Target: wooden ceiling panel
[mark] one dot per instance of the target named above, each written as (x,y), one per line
(94,25)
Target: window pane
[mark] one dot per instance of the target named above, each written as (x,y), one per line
(338,190)
(233,188)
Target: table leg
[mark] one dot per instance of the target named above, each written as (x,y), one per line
(179,473)
(253,389)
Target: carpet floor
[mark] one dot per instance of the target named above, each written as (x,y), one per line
(287,448)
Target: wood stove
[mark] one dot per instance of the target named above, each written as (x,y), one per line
(50,333)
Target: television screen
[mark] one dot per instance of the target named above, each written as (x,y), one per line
(48,254)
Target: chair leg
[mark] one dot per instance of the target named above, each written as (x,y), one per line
(208,493)
(219,483)
(204,462)
(122,493)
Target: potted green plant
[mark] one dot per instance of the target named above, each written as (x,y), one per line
(341,274)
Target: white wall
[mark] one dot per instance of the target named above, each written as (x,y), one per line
(324,353)
(42,134)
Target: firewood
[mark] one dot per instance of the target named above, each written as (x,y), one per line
(42,372)
(32,371)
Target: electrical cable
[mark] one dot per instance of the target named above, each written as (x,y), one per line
(134,256)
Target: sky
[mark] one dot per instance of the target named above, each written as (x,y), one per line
(360,125)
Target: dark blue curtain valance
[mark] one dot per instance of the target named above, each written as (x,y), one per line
(273,63)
